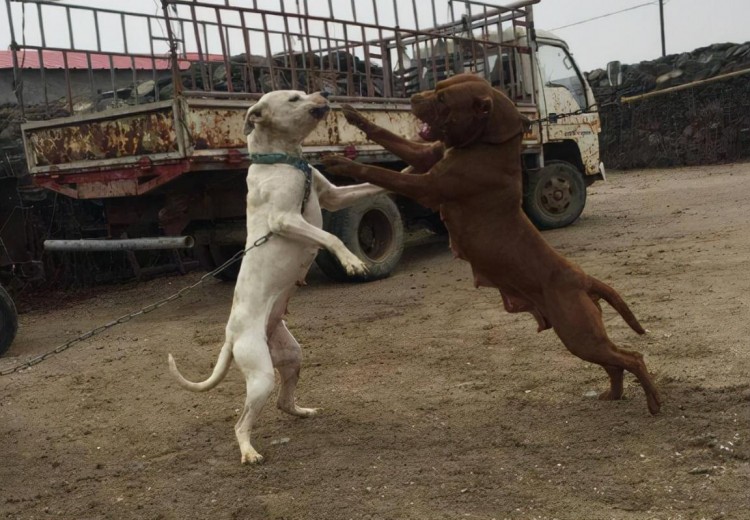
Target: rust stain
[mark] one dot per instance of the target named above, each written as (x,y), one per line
(216,128)
(107,139)
(332,124)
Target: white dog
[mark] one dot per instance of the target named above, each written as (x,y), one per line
(285,200)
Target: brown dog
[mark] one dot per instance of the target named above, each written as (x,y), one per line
(472,174)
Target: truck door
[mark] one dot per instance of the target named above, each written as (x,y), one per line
(564,91)
(563,87)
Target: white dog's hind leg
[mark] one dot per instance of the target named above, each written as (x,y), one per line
(251,354)
(295,227)
(287,359)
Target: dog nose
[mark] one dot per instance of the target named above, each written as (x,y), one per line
(325,94)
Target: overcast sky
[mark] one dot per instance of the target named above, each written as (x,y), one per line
(634,35)
(624,30)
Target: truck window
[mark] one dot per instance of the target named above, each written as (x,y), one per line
(557,70)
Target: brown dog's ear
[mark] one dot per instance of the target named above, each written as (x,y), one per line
(459,78)
(253,117)
(505,121)
(483,106)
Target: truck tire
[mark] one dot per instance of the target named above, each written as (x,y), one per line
(202,253)
(8,321)
(555,195)
(372,230)
(220,253)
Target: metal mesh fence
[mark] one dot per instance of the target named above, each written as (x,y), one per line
(706,124)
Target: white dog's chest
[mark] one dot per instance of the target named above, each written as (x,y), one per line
(274,191)
(281,188)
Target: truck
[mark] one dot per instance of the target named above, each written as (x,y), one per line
(160,146)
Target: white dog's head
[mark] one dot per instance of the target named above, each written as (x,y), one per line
(292,114)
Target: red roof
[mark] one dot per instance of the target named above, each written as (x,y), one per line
(78,60)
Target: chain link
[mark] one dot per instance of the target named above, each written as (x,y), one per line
(127,317)
(552,118)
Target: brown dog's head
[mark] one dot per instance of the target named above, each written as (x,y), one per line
(465,109)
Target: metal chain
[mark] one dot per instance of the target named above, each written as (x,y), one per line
(589,109)
(127,317)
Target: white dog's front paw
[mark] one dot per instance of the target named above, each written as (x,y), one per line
(251,457)
(304,412)
(354,266)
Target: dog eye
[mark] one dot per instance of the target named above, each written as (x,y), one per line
(294,99)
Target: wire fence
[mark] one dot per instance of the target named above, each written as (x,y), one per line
(375,48)
(705,124)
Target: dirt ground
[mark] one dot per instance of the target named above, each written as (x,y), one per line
(436,403)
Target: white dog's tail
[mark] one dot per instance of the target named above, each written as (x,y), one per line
(220,370)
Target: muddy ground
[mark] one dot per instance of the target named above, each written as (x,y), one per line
(436,403)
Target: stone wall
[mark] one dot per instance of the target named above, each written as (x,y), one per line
(705,124)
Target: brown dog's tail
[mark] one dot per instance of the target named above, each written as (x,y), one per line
(609,295)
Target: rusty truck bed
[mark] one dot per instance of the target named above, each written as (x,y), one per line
(224,55)
(133,150)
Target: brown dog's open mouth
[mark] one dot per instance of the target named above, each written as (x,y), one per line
(320,112)
(427,133)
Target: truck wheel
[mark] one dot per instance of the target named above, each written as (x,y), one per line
(373,231)
(8,321)
(555,195)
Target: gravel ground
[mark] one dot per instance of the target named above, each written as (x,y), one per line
(436,403)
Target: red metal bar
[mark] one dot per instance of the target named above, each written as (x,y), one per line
(69,184)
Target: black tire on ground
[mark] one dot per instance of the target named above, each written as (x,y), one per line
(8,321)
(222,253)
(373,231)
(202,253)
(555,195)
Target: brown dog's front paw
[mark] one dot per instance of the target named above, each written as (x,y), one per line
(339,165)
(356,118)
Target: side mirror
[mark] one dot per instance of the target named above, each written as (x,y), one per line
(614,73)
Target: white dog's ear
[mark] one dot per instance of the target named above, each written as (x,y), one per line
(253,117)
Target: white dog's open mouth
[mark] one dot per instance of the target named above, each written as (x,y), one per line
(320,111)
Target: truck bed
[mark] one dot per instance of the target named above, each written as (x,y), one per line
(133,150)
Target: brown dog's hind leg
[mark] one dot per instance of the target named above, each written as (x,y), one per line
(614,360)
(578,323)
(637,367)
(615,384)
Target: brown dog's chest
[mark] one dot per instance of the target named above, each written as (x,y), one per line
(480,178)
(502,246)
